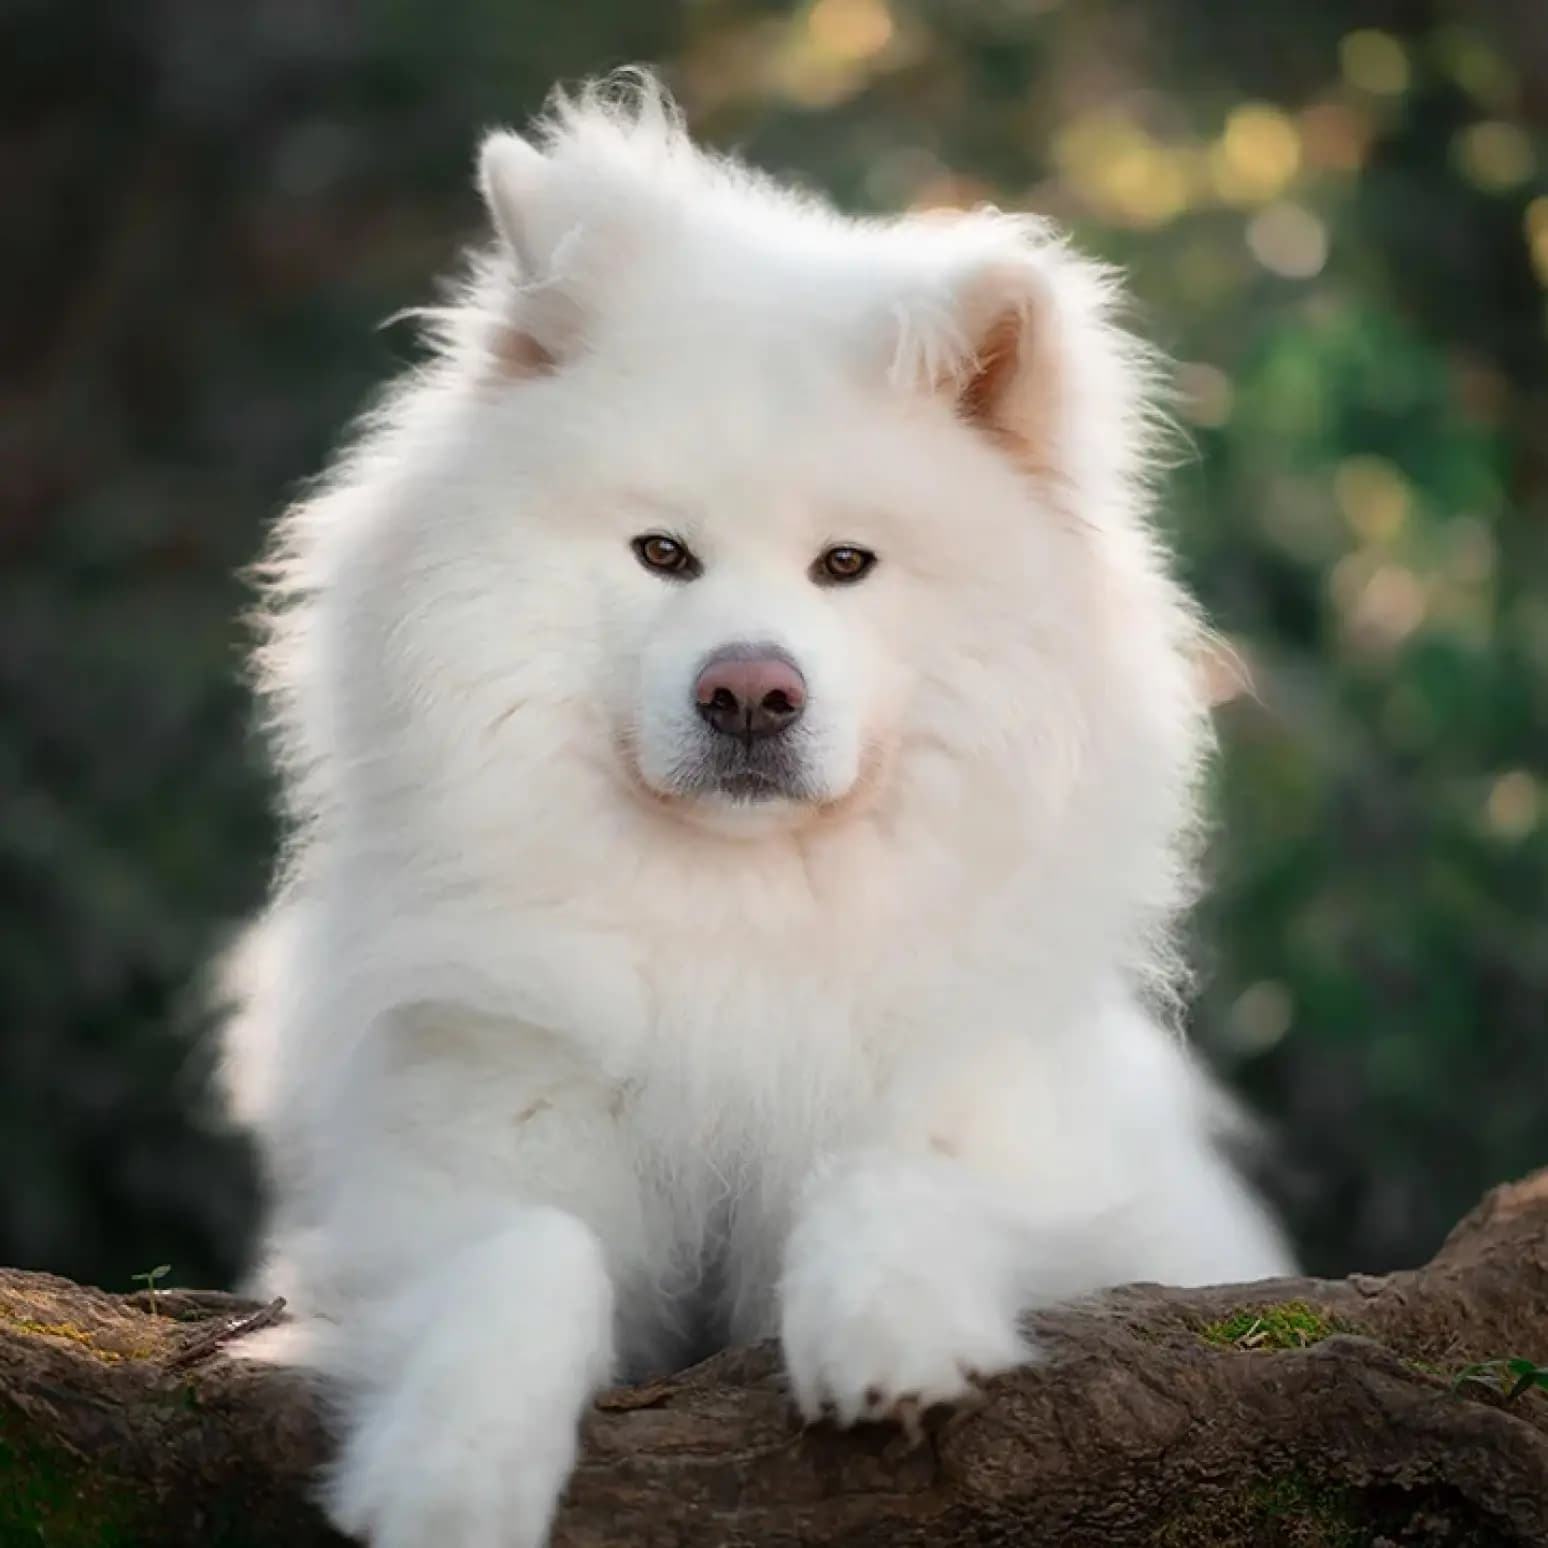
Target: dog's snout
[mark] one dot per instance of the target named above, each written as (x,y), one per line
(750,692)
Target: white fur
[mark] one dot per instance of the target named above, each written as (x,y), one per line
(561,1075)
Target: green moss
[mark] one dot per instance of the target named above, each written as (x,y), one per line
(1289,1325)
(1306,1508)
(1297,1509)
(1288,1510)
(80,1337)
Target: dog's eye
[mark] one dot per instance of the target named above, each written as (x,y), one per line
(843,565)
(665,555)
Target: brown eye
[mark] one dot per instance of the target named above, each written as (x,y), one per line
(665,555)
(842,565)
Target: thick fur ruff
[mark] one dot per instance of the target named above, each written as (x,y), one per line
(569,1058)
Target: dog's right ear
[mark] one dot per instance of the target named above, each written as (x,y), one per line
(545,321)
(511,173)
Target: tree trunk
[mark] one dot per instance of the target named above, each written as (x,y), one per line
(1290,1414)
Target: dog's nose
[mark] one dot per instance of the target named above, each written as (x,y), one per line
(750,692)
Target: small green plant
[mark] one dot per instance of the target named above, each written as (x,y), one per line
(1292,1325)
(1511,1377)
(152,1278)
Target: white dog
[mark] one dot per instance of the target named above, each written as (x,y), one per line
(742,743)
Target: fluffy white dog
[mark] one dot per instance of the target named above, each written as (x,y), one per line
(742,742)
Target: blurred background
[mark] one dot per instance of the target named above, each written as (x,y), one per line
(1335,217)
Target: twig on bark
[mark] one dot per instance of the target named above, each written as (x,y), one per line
(206,1344)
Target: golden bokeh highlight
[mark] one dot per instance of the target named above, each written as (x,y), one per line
(1120,171)
(1374,497)
(1514,806)
(1257,156)
(1375,61)
(1536,223)
(832,50)
(1494,155)
(849,30)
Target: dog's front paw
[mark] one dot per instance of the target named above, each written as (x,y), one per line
(865,1341)
(409,1478)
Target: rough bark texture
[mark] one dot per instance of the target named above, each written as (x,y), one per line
(1289,1414)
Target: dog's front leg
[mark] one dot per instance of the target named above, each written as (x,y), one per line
(464,1394)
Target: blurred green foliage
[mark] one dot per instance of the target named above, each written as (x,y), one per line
(1335,217)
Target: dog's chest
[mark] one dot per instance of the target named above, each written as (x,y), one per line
(752,1067)
(739,1095)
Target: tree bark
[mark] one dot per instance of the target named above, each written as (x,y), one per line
(1289,1414)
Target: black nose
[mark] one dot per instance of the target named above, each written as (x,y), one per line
(750,692)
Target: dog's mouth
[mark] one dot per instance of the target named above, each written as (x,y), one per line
(744,791)
(743,775)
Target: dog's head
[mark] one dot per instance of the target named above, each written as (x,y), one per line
(766,516)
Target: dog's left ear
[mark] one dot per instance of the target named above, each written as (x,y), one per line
(986,337)
(1001,321)
(1017,333)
